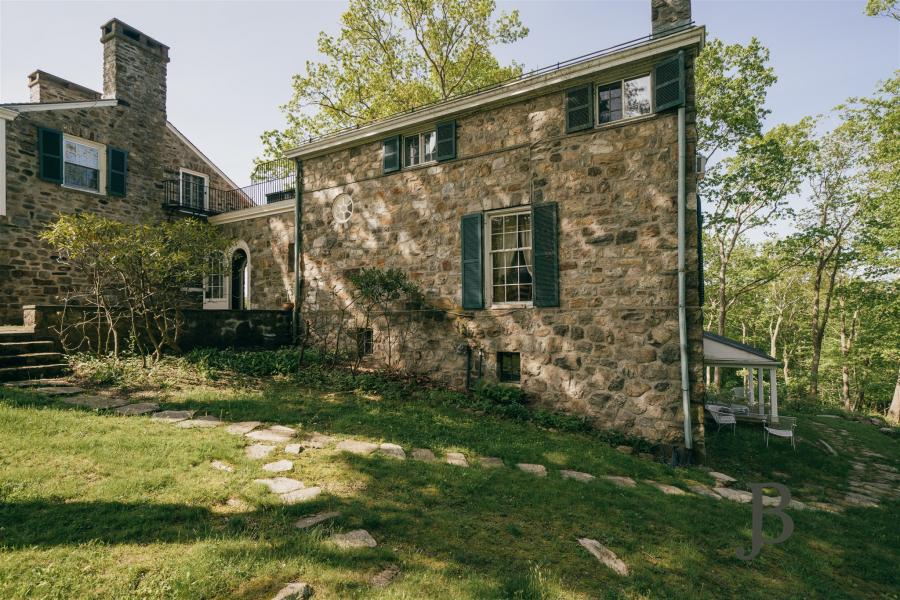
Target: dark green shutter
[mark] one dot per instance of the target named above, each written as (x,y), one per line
(579,108)
(446,141)
(668,78)
(471,228)
(117,170)
(546,262)
(391,159)
(50,155)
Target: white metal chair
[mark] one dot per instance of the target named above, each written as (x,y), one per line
(722,415)
(781,427)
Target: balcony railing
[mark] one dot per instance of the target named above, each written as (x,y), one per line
(274,181)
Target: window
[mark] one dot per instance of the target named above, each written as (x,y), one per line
(420,148)
(215,278)
(193,189)
(624,99)
(509,251)
(508,367)
(85,163)
(365,341)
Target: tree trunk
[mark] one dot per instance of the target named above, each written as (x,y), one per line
(845,350)
(722,312)
(893,414)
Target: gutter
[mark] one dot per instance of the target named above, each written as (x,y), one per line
(298,240)
(682,312)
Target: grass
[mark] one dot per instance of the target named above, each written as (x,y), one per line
(94,505)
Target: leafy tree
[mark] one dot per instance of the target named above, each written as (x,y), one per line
(392,56)
(883,8)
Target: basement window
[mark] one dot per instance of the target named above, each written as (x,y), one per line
(508,367)
(365,342)
(624,99)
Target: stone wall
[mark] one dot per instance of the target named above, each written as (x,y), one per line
(610,351)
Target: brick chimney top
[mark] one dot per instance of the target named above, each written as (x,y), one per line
(666,15)
(114,28)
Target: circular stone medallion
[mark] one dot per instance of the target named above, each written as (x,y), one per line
(342,208)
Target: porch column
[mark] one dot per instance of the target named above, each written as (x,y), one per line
(773,391)
(751,396)
(762,398)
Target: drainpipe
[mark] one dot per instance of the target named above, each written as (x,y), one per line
(298,241)
(682,315)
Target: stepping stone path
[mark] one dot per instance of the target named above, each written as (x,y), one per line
(301,495)
(172,416)
(385,577)
(357,447)
(311,520)
(665,488)
(279,466)
(539,470)
(242,428)
(604,555)
(61,390)
(490,462)
(258,451)
(703,490)
(38,383)
(141,408)
(734,495)
(204,422)
(293,448)
(392,451)
(317,441)
(620,481)
(280,485)
(96,402)
(423,454)
(457,458)
(577,475)
(359,538)
(221,466)
(294,591)
(276,433)
(721,478)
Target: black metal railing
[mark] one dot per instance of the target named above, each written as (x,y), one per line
(274,181)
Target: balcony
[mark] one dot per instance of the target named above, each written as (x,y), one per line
(273,181)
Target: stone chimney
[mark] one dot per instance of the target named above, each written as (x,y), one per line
(45,87)
(134,68)
(666,15)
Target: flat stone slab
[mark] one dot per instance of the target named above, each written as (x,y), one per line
(39,382)
(293,448)
(221,466)
(204,422)
(704,491)
(604,555)
(283,430)
(665,488)
(734,495)
(141,408)
(279,466)
(392,451)
(294,591)
(423,454)
(722,478)
(315,519)
(457,458)
(357,447)
(539,470)
(96,402)
(860,500)
(490,462)
(259,450)
(281,485)
(59,390)
(270,434)
(359,538)
(242,428)
(172,416)
(825,507)
(301,495)
(620,481)
(625,449)
(317,441)
(576,475)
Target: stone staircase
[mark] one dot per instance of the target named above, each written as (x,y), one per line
(24,356)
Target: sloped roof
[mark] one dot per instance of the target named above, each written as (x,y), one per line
(723,351)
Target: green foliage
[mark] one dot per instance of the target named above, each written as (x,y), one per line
(392,56)
(883,8)
(499,394)
(255,363)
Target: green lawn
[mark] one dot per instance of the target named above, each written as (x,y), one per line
(95,505)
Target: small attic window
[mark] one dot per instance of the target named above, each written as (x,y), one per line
(133,34)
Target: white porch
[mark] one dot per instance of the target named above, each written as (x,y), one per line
(722,352)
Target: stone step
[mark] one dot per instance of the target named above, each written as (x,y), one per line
(32,359)
(33,372)
(16,335)
(8,348)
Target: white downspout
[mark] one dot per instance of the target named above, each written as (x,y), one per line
(682,315)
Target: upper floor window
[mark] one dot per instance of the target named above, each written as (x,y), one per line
(419,148)
(194,189)
(509,251)
(624,99)
(84,165)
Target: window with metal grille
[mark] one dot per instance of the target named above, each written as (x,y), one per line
(509,239)
(624,99)
(508,367)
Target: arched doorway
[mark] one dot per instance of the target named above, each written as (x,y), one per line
(240,280)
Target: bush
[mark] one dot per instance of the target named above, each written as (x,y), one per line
(499,394)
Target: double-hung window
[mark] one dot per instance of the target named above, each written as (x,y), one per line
(624,99)
(215,278)
(193,189)
(510,257)
(84,165)
(419,148)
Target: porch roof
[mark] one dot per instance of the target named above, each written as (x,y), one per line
(725,352)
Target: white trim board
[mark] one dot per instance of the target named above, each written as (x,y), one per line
(43,106)
(254,212)
(197,151)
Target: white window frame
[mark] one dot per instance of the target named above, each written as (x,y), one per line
(220,303)
(101,163)
(621,81)
(205,177)
(421,135)
(489,258)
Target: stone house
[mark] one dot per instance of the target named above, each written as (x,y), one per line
(73,150)
(551,222)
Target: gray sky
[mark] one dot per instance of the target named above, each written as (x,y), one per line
(231,62)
